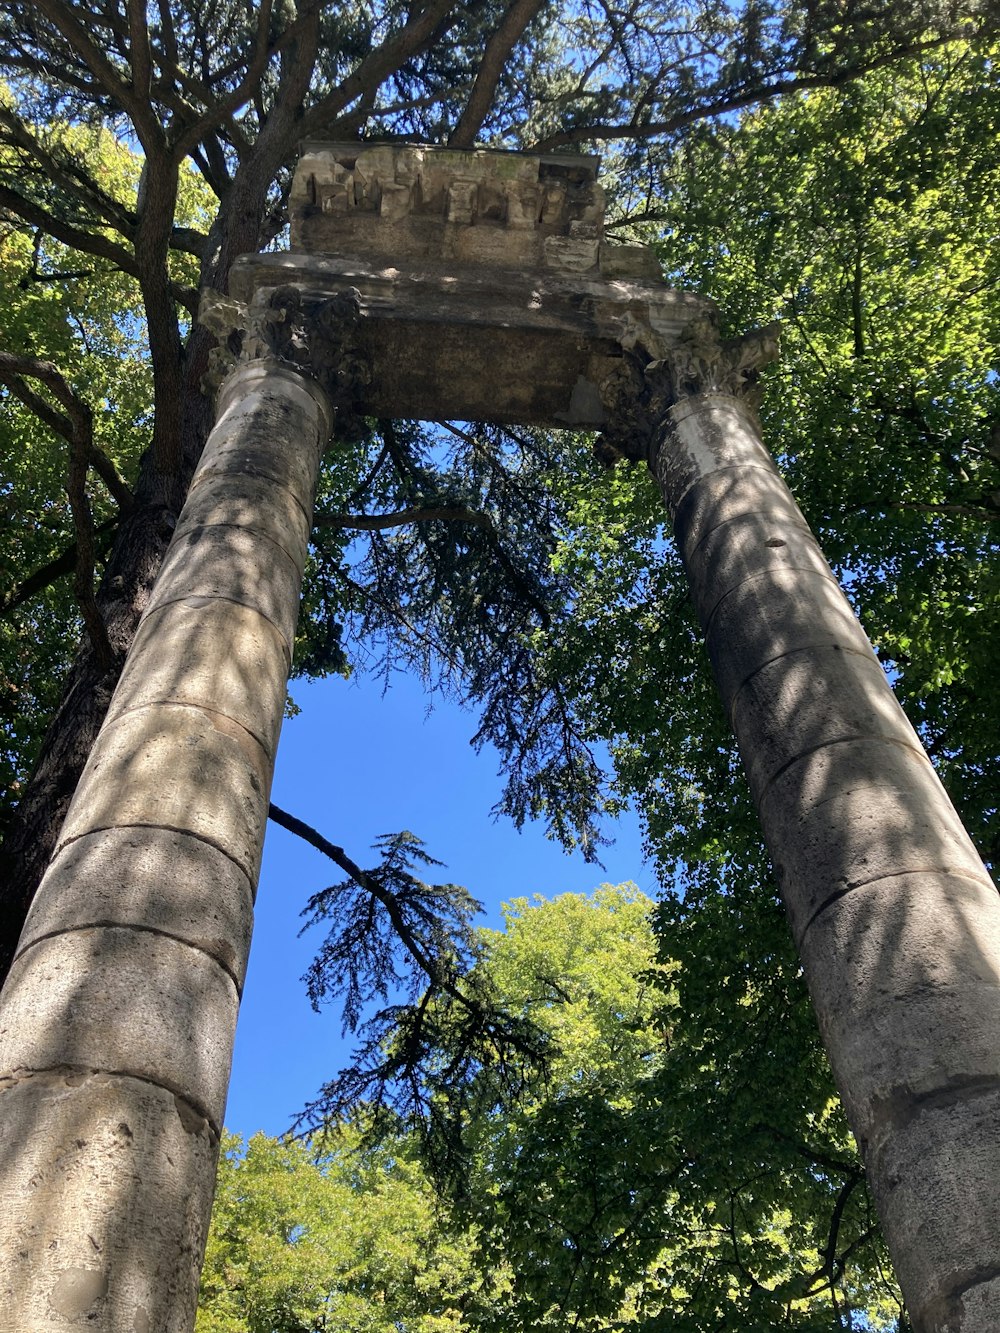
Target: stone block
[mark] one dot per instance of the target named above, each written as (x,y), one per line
(905,975)
(814,697)
(750,546)
(257,505)
(426,331)
(705,435)
(935,1183)
(636,262)
(98,1174)
(179,768)
(396,202)
(462,197)
(523,208)
(773,614)
(571,254)
(209,653)
(163,881)
(727,494)
(854,812)
(122,1000)
(296,410)
(554,199)
(204,563)
(235,453)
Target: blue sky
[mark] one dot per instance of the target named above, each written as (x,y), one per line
(357,763)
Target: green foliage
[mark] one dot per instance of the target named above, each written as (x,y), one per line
(308,1237)
(865,220)
(866,217)
(608,1187)
(598,1193)
(560,1179)
(457,594)
(374,937)
(871,234)
(72,310)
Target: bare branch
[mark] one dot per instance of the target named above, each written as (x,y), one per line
(147,127)
(984,513)
(81,448)
(167,34)
(188,240)
(219,112)
(142,70)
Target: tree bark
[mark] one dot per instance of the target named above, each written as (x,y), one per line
(134,560)
(895,917)
(117,1019)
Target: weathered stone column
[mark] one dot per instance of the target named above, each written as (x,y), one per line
(895,917)
(117,1020)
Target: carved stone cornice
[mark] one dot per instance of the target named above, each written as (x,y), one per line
(646,385)
(315,336)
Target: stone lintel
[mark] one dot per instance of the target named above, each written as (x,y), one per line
(482,342)
(488,289)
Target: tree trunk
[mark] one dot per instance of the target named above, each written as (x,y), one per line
(133,564)
(117,1020)
(895,917)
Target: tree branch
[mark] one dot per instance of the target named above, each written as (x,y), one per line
(491,68)
(378,65)
(75,425)
(728,102)
(47,574)
(147,127)
(984,513)
(77,428)
(830,1252)
(226,106)
(142,70)
(370,884)
(88,242)
(380,522)
(68,175)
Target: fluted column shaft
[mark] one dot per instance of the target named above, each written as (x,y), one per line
(117,1020)
(895,917)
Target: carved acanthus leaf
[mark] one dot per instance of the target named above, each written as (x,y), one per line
(702,362)
(640,392)
(316,335)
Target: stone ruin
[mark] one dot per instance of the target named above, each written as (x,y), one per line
(488,287)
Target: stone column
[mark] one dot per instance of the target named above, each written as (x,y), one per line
(117,1020)
(895,917)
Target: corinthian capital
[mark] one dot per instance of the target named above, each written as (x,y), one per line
(643,389)
(316,336)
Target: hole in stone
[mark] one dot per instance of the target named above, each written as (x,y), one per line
(774,541)
(573,172)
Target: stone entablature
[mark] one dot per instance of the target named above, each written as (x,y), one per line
(448,206)
(487,288)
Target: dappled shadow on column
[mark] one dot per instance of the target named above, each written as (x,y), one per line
(897,922)
(118,1015)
